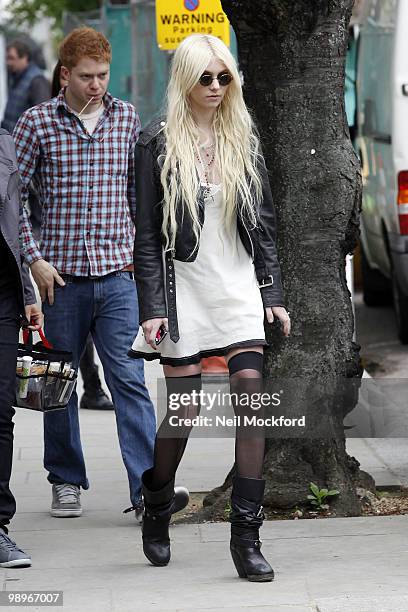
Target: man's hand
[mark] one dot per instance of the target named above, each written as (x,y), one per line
(280,313)
(150,329)
(34,316)
(45,275)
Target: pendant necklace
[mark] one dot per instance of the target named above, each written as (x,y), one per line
(206,167)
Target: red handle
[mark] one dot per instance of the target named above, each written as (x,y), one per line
(26,336)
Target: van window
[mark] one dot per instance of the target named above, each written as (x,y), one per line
(383,12)
(388,12)
(374,8)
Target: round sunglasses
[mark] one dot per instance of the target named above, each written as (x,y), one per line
(223,78)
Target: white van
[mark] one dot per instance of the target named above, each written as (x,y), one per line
(382,103)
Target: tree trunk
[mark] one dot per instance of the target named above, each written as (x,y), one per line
(292,55)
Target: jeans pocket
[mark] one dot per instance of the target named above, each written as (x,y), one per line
(127,276)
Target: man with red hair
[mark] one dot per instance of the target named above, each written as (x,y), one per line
(78,150)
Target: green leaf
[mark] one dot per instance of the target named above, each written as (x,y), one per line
(323,492)
(314,488)
(311,497)
(333,492)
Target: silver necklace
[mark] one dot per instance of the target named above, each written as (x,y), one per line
(206,167)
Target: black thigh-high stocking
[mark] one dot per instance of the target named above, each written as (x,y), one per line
(245,371)
(171,441)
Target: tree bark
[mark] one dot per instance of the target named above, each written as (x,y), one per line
(292,55)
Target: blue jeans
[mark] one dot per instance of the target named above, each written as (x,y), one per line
(107,308)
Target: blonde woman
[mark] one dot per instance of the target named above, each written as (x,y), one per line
(205,203)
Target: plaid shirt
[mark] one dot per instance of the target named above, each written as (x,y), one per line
(85,184)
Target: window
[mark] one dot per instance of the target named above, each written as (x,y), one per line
(383,12)
(387,12)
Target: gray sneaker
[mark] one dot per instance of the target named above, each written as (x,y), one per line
(65,501)
(10,554)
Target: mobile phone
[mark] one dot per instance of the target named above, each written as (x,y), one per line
(161,334)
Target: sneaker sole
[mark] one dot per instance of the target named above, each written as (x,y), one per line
(17,563)
(66,513)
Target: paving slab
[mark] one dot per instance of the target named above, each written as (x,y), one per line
(362,604)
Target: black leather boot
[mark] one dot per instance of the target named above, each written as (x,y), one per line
(246,518)
(159,506)
(94,397)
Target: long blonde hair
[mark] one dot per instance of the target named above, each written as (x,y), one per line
(237,146)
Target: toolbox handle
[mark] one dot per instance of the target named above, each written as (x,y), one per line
(28,338)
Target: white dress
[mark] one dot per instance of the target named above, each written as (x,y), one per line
(219,303)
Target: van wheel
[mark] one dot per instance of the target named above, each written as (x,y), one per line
(401,310)
(376,287)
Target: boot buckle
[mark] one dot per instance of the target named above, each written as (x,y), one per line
(260,513)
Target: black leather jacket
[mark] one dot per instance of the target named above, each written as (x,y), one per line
(148,250)
(11,210)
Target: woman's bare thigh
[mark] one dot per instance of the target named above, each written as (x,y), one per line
(180,371)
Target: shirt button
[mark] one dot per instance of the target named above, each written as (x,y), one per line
(90,186)
(91,163)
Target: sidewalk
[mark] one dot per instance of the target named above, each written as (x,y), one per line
(347,565)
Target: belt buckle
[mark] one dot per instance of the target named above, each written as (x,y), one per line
(263,283)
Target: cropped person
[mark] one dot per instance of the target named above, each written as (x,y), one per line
(17,302)
(27,85)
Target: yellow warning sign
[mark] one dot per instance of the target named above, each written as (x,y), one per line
(176,19)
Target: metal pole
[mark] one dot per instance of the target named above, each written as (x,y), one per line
(103,19)
(134,11)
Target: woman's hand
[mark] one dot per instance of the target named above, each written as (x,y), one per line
(280,313)
(150,329)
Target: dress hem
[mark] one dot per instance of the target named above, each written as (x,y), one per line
(193,359)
